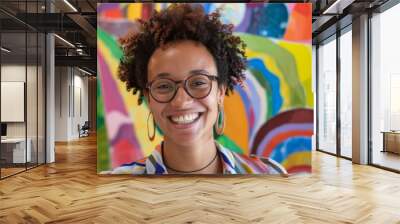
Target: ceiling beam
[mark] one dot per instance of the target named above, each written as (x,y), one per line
(81,61)
(86,27)
(337,7)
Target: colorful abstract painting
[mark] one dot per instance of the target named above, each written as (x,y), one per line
(273,109)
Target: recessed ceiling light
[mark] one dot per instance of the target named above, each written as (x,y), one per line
(5,50)
(64,40)
(70,5)
(84,71)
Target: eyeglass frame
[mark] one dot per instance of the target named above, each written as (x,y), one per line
(210,77)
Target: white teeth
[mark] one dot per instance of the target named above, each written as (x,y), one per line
(185,119)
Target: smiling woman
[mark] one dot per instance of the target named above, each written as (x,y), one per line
(182,63)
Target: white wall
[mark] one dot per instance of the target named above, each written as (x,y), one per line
(13,73)
(61,103)
(80,101)
(33,127)
(71,94)
(16,73)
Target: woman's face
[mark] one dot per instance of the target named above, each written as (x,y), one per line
(184,120)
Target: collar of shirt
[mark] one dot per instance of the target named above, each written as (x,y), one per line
(155,165)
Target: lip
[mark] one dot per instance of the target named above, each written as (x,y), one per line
(184,126)
(179,113)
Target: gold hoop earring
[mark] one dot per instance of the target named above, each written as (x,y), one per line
(220,124)
(151,137)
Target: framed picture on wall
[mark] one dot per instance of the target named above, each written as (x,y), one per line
(12,101)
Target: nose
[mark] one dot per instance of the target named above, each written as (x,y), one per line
(181,98)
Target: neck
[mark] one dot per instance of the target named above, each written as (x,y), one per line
(191,157)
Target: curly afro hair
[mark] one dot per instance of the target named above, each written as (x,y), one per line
(182,22)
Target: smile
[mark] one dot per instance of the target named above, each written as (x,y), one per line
(185,118)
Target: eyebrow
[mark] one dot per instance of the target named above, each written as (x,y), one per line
(196,71)
(162,75)
(192,72)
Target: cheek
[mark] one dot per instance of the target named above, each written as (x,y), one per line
(156,110)
(212,106)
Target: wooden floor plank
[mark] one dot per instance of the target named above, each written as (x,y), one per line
(70,191)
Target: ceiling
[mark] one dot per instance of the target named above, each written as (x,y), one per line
(76,21)
(76,25)
(332,15)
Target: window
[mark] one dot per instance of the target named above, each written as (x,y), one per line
(385,89)
(22,80)
(327,96)
(346,93)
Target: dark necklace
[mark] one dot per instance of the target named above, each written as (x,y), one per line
(180,171)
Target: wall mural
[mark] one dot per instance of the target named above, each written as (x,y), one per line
(273,111)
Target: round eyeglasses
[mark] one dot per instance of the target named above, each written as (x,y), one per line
(198,86)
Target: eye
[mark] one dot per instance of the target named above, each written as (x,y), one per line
(198,83)
(163,87)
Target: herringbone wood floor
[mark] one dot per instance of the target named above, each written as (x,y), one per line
(70,191)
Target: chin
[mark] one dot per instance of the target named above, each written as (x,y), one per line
(186,139)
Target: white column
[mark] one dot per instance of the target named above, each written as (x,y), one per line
(50,110)
(360,90)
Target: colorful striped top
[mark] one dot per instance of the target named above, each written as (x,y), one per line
(232,163)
